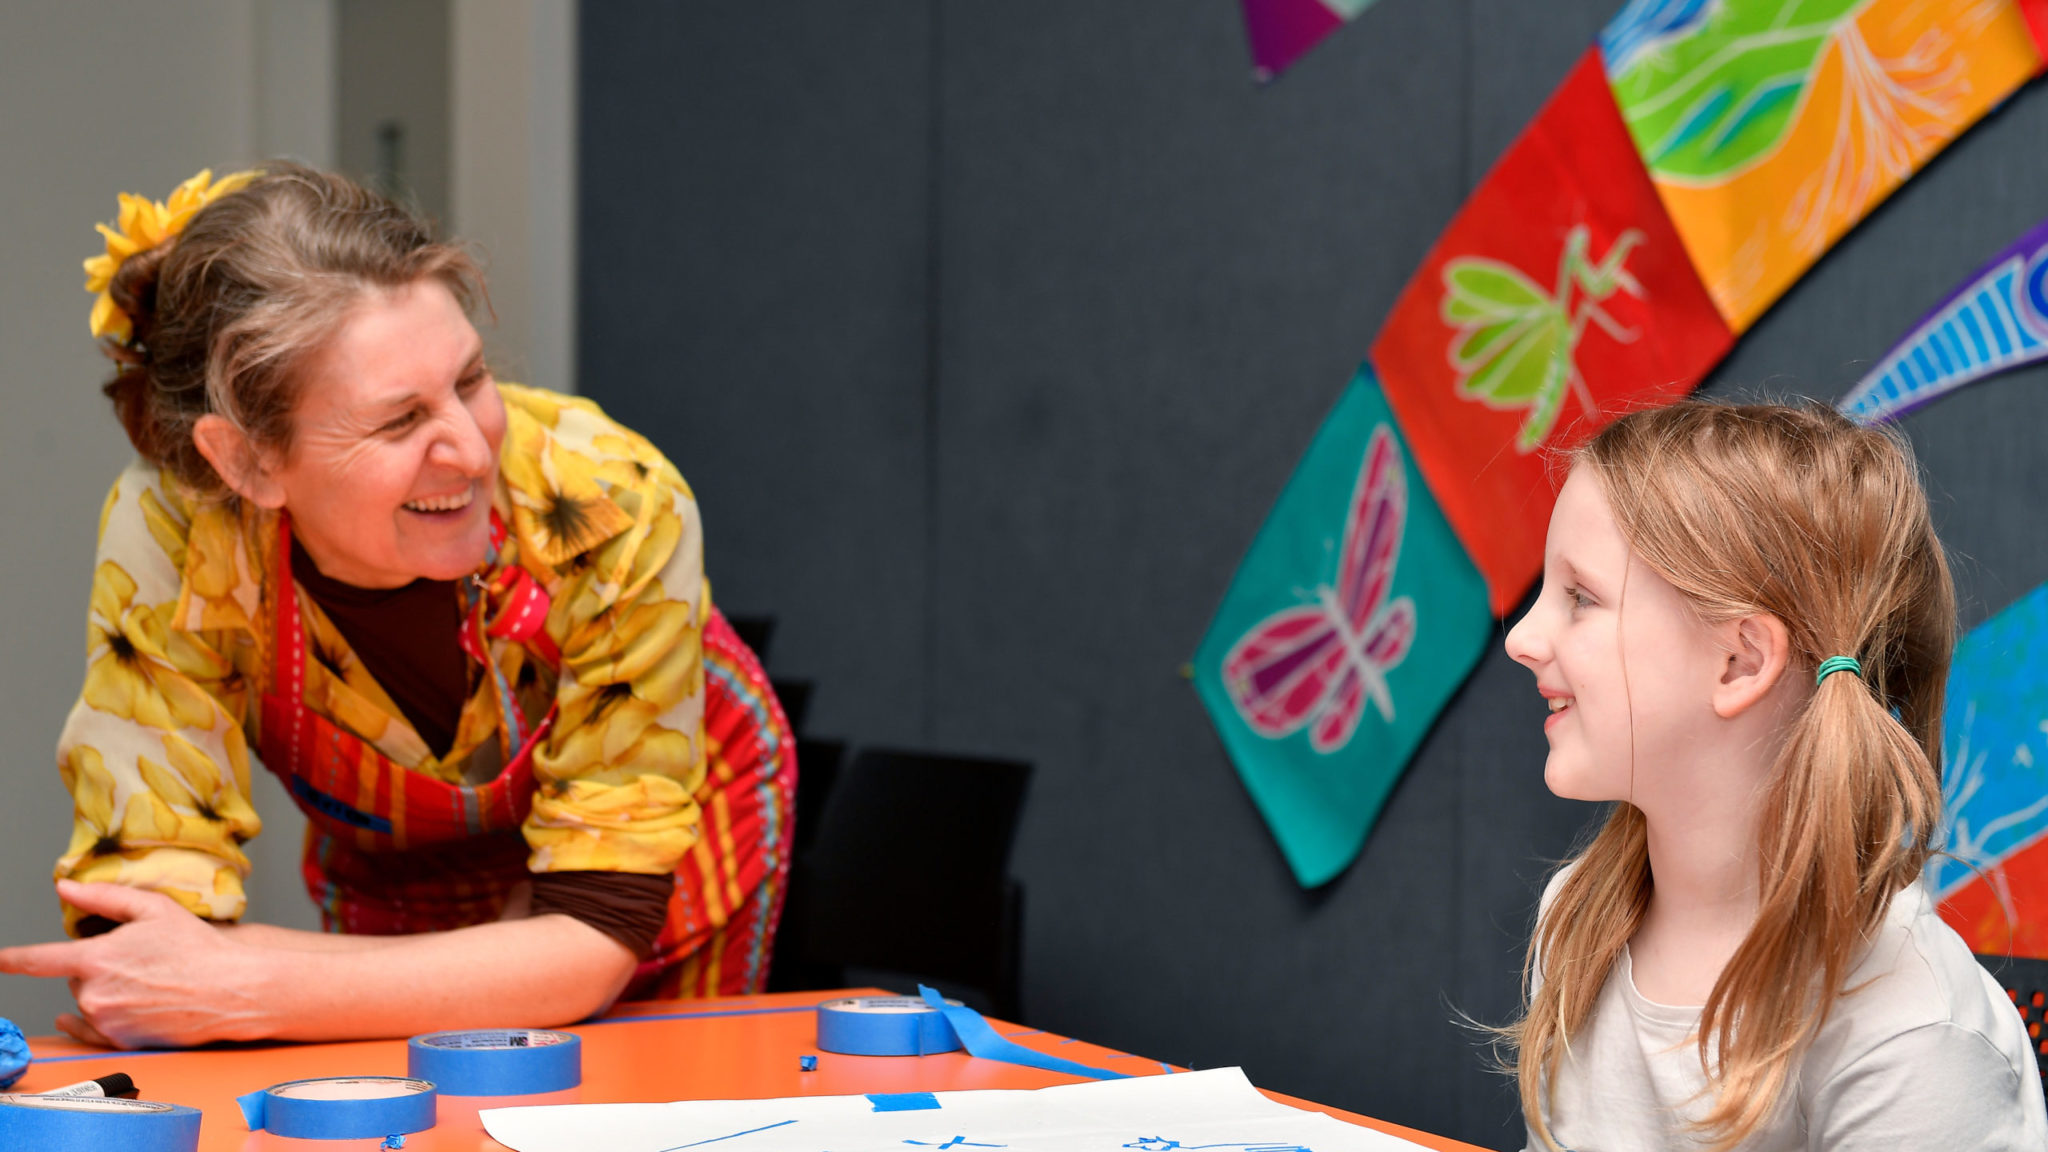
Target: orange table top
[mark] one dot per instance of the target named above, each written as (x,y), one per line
(740,1048)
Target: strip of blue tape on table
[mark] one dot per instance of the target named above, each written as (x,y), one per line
(981,1039)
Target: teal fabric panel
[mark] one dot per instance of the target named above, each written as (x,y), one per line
(1322,671)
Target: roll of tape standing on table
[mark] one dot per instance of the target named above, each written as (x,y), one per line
(497,1061)
(342,1107)
(884,1026)
(96,1124)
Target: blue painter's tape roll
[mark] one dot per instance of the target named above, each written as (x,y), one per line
(884,1026)
(497,1061)
(96,1124)
(342,1108)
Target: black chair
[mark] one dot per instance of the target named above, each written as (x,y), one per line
(2026,982)
(818,763)
(755,632)
(796,702)
(908,873)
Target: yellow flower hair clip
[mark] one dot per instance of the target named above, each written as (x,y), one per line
(144,224)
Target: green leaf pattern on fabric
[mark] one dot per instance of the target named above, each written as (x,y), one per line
(1706,104)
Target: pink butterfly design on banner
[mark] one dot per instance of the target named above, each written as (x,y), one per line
(1315,664)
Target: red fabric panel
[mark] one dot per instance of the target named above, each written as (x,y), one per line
(1981,915)
(1574,167)
(2036,12)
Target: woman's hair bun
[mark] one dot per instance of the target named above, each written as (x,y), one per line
(134,289)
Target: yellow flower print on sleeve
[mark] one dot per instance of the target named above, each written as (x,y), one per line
(625,450)
(166,527)
(631,715)
(537,404)
(211,808)
(634,642)
(616,736)
(130,849)
(643,826)
(621,571)
(558,507)
(85,776)
(127,674)
(220,591)
(602,516)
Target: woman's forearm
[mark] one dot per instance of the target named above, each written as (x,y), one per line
(537,972)
(298,940)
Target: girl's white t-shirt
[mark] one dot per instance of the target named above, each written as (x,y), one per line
(1925,1052)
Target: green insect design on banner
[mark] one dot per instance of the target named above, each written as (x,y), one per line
(1515,342)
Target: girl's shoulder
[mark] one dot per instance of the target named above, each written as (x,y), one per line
(1917,971)
(1918,1010)
(1552,886)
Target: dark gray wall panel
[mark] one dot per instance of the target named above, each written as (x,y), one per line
(1151,282)
(752,283)
(1155,282)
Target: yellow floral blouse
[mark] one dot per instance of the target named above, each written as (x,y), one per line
(157,750)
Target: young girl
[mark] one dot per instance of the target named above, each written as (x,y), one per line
(1743,634)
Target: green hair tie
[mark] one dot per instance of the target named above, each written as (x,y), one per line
(1835,664)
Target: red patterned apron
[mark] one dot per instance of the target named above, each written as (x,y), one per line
(390,850)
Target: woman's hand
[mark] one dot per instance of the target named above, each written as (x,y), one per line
(166,978)
(163,978)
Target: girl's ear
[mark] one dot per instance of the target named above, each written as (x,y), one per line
(1760,648)
(236,461)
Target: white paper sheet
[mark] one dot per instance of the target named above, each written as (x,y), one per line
(1217,1110)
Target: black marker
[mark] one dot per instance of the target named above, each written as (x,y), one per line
(114,1084)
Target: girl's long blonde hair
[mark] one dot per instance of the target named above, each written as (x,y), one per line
(1798,513)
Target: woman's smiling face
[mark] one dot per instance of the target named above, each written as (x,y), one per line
(394,452)
(1620,696)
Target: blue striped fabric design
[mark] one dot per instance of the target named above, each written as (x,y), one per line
(1990,327)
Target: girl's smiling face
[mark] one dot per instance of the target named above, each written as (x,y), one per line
(1624,660)
(394,452)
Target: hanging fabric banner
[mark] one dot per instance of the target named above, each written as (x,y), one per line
(2036,12)
(1281,31)
(1559,298)
(1997,320)
(1772,126)
(1991,877)
(1688,170)
(1351,621)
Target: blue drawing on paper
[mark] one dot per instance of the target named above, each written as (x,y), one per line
(956,1142)
(728,1136)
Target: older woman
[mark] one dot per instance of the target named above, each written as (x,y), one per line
(464,622)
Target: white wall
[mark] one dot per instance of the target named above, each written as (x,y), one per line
(106,96)
(99,97)
(512,175)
